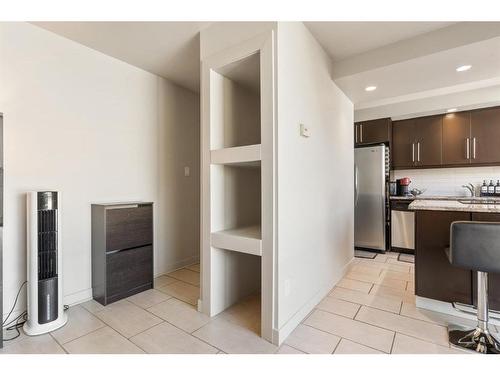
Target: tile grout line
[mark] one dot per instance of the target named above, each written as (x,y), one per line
(354,317)
(346,338)
(126,338)
(178,279)
(373,325)
(291,346)
(336,346)
(371,282)
(192,333)
(393,340)
(359,321)
(57,342)
(404,333)
(156,304)
(362,304)
(182,329)
(88,333)
(371,287)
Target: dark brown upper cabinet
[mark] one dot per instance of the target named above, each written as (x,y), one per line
(403,143)
(372,132)
(417,142)
(456,138)
(485,136)
(428,139)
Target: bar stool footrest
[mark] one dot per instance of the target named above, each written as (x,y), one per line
(473,339)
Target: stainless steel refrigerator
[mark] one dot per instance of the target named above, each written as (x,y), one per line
(370,197)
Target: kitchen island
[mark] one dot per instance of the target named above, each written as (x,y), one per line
(438,285)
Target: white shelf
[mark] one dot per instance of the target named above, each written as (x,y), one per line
(242,155)
(244,240)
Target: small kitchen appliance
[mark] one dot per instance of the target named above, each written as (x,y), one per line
(403,186)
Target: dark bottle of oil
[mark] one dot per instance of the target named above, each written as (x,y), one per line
(484,189)
(491,189)
(497,189)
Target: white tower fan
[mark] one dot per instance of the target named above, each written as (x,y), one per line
(45,301)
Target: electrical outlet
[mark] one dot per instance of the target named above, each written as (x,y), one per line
(304,131)
(187,172)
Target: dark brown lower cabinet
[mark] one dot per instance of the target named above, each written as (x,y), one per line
(493,278)
(434,276)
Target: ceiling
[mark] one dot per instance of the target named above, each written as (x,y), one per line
(167,49)
(424,73)
(407,61)
(342,40)
(171,49)
(417,76)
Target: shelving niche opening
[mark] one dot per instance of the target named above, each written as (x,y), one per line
(236,208)
(235,104)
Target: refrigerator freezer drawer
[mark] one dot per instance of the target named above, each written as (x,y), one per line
(403,229)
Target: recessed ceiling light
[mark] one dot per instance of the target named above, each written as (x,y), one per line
(370,88)
(463,68)
(451,110)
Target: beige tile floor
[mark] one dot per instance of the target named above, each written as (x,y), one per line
(370,311)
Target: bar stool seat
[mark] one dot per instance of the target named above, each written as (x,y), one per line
(476,246)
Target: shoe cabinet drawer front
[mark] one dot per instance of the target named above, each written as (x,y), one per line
(129,227)
(128,269)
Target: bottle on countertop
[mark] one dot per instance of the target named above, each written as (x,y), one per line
(497,189)
(491,188)
(484,189)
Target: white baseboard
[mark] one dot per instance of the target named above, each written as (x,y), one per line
(78,297)
(179,264)
(280,335)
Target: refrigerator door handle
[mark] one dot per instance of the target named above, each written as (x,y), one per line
(355,185)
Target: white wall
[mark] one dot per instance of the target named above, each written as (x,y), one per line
(315,176)
(448,181)
(98,130)
(178,205)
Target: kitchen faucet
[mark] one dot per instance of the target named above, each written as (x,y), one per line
(471,188)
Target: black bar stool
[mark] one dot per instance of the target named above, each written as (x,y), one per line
(476,246)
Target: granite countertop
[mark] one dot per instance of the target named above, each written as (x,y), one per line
(425,197)
(443,198)
(456,205)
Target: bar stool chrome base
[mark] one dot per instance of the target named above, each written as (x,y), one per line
(478,340)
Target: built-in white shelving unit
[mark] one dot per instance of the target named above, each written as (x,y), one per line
(237,178)
(245,239)
(240,156)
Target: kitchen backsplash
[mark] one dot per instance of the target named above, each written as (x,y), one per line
(448,181)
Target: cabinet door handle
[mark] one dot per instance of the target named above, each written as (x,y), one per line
(356,133)
(467,148)
(413,152)
(418,151)
(361,132)
(474,148)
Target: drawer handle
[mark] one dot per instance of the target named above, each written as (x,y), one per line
(128,248)
(119,207)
